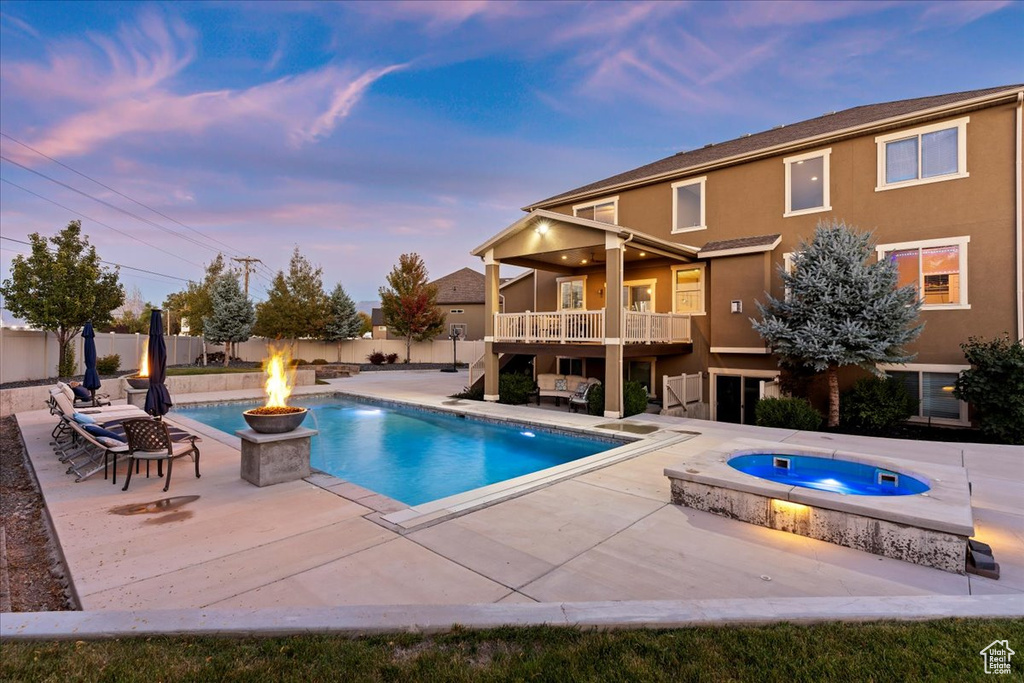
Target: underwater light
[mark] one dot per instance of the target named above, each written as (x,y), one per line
(529,434)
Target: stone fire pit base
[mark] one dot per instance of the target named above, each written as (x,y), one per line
(275,458)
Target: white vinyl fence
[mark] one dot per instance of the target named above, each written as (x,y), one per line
(684,396)
(32,354)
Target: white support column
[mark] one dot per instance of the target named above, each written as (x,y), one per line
(613,331)
(492,280)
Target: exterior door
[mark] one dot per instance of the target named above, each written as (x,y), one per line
(729,398)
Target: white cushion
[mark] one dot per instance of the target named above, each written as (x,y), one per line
(66,390)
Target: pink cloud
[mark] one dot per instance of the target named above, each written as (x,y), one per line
(956,14)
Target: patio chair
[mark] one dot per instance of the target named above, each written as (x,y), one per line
(150,440)
(581,397)
(86,453)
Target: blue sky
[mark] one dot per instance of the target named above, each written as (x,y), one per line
(362,131)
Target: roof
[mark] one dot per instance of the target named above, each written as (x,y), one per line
(832,123)
(465,286)
(740,245)
(377,317)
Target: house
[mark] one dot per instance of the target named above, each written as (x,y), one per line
(655,271)
(379,330)
(460,296)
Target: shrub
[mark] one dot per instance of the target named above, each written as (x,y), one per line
(377,358)
(391,358)
(994,386)
(66,365)
(301,361)
(108,365)
(876,404)
(318,361)
(595,400)
(634,399)
(787,413)
(473,394)
(514,388)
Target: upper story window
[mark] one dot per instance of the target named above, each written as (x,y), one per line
(604,210)
(928,154)
(938,268)
(807,183)
(456,310)
(688,205)
(638,295)
(571,293)
(688,290)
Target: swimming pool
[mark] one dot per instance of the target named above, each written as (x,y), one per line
(411,455)
(828,474)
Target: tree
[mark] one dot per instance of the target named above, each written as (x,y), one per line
(842,307)
(410,303)
(343,322)
(61,290)
(233,315)
(194,303)
(365,323)
(994,386)
(296,305)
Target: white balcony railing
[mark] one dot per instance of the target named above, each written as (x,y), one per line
(588,326)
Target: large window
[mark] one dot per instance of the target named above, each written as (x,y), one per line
(807,183)
(938,268)
(933,388)
(604,210)
(638,295)
(688,290)
(688,205)
(923,155)
(571,293)
(571,366)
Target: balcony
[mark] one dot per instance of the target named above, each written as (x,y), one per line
(574,327)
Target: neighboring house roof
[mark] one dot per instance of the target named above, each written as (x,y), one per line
(377,317)
(829,125)
(465,286)
(740,245)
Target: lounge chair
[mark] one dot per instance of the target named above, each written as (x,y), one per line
(149,440)
(80,400)
(581,397)
(86,453)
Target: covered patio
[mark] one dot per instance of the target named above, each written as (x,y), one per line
(570,246)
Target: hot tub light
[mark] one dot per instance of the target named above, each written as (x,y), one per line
(788,506)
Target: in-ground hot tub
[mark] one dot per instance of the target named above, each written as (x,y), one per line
(912,511)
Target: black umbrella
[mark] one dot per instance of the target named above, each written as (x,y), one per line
(92,378)
(158,399)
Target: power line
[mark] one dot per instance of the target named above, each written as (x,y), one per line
(101,223)
(121,194)
(109,263)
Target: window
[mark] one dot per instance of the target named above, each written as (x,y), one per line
(938,268)
(571,293)
(688,290)
(456,310)
(807,183)
(604,210)
(933,388)
(638,295)
(688,205)
(641,371)
(923,155)
(571,366)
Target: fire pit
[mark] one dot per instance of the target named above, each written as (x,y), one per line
(276,417)
(140,380)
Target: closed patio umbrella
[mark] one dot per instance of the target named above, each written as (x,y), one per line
(92,378)
(158,399)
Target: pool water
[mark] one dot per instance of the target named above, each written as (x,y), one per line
(825,474)
(413,456)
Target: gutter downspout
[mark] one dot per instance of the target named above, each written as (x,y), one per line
(1020,229)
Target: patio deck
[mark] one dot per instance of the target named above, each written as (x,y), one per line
(609,534)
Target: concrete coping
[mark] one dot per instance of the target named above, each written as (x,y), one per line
(361,620)
(256,437)
(945,507)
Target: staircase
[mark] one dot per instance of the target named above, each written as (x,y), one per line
(476,368)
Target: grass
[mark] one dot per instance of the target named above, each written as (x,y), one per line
(208,370)
(936,650)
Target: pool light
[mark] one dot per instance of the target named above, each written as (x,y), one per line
(529,434)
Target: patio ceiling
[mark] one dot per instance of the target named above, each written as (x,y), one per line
(557,242)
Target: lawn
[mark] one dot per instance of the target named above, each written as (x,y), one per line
(937,650)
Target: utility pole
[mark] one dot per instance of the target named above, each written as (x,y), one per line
(248,264)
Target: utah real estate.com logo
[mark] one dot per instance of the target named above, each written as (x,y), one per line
(997,657)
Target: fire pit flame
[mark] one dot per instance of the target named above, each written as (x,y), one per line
(144,365)
(279,378)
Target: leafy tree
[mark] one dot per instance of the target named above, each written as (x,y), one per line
(343,322)
(61,290)
(195,302)
(410,303)
(994,386)
(842,307)
(365,323)
(233,315)
(296,304)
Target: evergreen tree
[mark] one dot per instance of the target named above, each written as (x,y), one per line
(410,303)
(195,302)
(296,305)
(61,290)
(233,316)
(343,321)
(842,307)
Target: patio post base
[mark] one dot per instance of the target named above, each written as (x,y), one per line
(275,458)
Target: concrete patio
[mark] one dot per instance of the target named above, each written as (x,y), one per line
(605,535)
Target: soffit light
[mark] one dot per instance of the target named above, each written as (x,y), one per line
(643,253)
(564,257)
(542,228)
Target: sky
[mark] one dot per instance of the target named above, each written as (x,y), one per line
(361,131)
